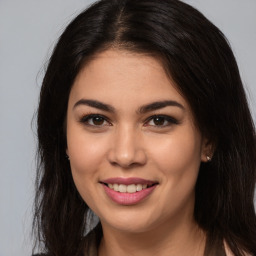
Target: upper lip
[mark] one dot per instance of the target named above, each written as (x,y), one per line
(128,181)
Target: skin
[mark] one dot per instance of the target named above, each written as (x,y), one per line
(130,143)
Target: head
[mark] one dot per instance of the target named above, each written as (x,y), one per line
(197,59)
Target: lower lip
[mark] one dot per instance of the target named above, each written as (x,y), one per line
(128,198)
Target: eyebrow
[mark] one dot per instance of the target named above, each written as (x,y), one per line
(142,110)
(95,104)
(158,105)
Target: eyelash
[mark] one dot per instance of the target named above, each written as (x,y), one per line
(87,118)
(169,119)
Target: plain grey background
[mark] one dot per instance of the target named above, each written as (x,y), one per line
(28,32)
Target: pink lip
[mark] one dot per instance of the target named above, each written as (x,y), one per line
(128,198)
(128,181)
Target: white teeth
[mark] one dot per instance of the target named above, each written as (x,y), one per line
(132,188)
(116,187)
(139,187)
(122,188)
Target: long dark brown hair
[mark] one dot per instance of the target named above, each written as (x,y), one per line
(198,58)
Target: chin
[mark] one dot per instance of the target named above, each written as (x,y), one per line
(132,221)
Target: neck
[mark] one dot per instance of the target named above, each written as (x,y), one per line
(166,239)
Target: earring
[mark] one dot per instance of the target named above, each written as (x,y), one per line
(67,157)
(208,158)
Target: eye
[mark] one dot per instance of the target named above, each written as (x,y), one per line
(161,121)
(95,120)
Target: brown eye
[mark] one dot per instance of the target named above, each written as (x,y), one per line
(94,120)
(159,120)
(97,120)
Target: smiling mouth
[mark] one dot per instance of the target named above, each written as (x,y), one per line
(131,188)
(128,191)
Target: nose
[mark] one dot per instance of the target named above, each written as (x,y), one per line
(127,148)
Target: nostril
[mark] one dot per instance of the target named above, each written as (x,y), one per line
(128,159)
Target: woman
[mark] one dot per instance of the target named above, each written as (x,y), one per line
(143,119)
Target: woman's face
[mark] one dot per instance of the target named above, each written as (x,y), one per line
(133,147)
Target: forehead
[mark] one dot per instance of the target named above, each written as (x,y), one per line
(123,77)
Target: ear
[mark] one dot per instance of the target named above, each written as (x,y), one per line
(67,153)
(207,150)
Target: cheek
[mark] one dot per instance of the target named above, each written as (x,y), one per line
(86,155)
(178,159)
(178,154)
(85,151)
